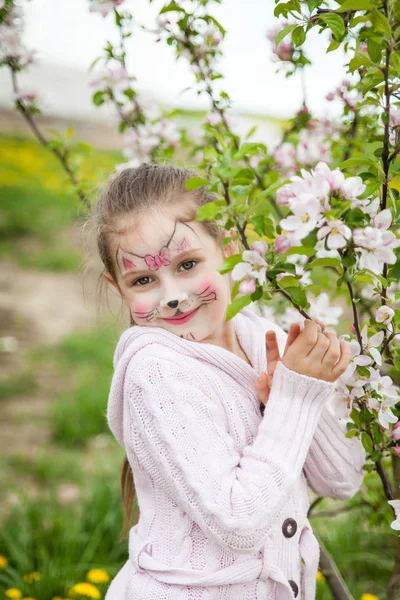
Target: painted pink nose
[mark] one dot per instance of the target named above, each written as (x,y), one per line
(172,303)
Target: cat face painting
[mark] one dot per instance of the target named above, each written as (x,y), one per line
(167,274)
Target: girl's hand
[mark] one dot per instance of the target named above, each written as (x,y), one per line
(264,384)
(317,354)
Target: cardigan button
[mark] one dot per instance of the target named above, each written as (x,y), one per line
(294,587)
(289,528)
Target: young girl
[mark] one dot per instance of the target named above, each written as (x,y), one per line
(221,485)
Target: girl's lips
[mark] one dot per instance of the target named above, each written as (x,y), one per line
(184,318)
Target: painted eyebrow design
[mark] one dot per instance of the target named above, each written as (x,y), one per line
(167,245)
(188,252)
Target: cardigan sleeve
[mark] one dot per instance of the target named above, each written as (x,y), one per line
(235,497)
(334,463)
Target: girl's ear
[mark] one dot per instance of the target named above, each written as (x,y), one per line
(110,279)
(232,247)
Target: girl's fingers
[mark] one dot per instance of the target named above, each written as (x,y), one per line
(294,331)
(333,353)
(343,361)
(320,349)
(262,387)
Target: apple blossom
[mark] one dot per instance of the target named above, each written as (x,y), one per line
(253,265)
(352,187)
(384,314)
(396,432)
(370,344)
(385,415)
(306,214)
(356,359)
(247,286)
(260,246)
(395,116)
(104,6)
(282,244)
(337,234)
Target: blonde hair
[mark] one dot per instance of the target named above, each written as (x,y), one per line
(132,193)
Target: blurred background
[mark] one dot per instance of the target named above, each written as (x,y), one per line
(60,506)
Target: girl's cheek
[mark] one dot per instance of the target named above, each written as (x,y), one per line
(206,285)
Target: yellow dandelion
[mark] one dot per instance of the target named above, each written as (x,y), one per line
(3,562)
(85,589)
(98,576)
(34,576)
(369,597)
(14,593)
(320,577)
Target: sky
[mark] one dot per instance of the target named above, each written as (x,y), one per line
(68,38)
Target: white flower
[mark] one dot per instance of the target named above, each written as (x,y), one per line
(383,219)
(356,359)
(352,187)
(396,505)
(384,314)
(370,344)
(253,266)
(337,232)
(385,415)
(383,385)
(321,309)
(306,211)
(260,246)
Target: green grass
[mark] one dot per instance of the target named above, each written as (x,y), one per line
(85,365)
(17,385)
(38,205)
(62,543)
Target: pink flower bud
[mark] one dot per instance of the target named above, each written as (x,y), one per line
(282,244)
(382,428)
(396,434)
(260,246)
(247,286)
(397,450)
(353,329)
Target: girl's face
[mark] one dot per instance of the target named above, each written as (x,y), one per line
(167,276)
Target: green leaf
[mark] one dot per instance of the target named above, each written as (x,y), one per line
(298,36)
(351,433)
(334,45)
(237,306)
(298,295)
(367,442)
(284,32)
(335,24)
(209,210)
(229,263)
(359,61)
(324,262)
(195,182)
(251,148)
(301,250)
(355,5)
(172,6)
(380,22)
(288,281)
(356,161)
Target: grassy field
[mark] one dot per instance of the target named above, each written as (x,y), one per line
(61,509)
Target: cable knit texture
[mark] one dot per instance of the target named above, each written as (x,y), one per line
(222,488)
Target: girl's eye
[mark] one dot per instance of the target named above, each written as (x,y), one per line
(191,264)
(188,262)
(140,279)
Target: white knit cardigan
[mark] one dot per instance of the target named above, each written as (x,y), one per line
(222,489)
